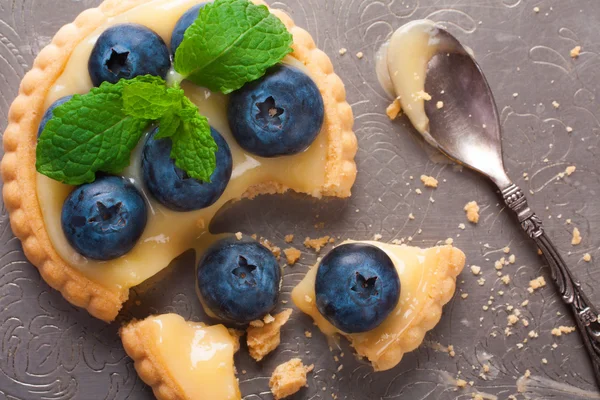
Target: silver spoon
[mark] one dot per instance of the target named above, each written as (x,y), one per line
(468,131)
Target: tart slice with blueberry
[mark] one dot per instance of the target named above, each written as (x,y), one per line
(143,118)
(382,297)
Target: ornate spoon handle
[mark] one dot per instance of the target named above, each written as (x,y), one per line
(584,312)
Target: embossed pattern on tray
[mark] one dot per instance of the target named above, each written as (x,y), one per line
(51,350)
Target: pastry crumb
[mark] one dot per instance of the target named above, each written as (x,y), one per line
(360,55)
(472,210)
(464,295)
(505,279)
(239,235)
(512,319)
(587,257)
(418,191)
(316,244)
(343,51)
(411,216)
(451,351)
(461,383)
(563,330)
(264,339)
(544,361)
(439,105)
(377,237)
(288,378)
(536,283)
(476,270)
(289,238)
(533,334)
(462,226)
(274,249)
(575,51)
(555,104)
(308,334)
(512,259)
(570,169)
(449,242)
(576,237)
(569,129)
(429,181)
(292,255)
(527,373)
(536,10)
(423,95)
(394,109)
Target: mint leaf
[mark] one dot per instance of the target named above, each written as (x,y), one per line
(232,42)
(149,100)
(194,148)
(89,133)
(168,126)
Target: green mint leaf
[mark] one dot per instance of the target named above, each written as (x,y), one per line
(194,148)
(149,100)
(88,134)
(168,126)
(232,42)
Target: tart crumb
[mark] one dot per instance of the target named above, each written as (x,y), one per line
(308,334)
(439,105)
(394,109)
(533,334)
(289,238)
(476,270)
(411,216)
(587,257)
(377,237)
(462,226)
(274,249)
(536,283)
(264,339)
(464,295)
(423,95)
(570,169)
(544,361)
(288,378)
(576,237)
(569,129)
(536,10)
(506,250)
(472,210)
(505,279)
(292,255)
(527,373)
(555,104)
(316,244)
(418,191)
(575,51)
(563,330)
(512,319)
(239,235)
(429,181)
(360,55)
(512,259)
(343,51)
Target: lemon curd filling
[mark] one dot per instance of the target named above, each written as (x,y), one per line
(169,233)
(427,278)
(200,358)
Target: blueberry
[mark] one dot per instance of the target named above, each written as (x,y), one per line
(172,187)
(103,220)
(128,50)
(277,115)
(357,287)
(239,280)
(184,22)
(49,113)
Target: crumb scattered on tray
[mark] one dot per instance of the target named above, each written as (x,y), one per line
(308,334)
(533,334)
(429,181)
(343,51)
(575,51)
(570,169)
(576,237)
(512,319)
(274,249)
(439,105)
(377,237)
(563,330)
(461,383)
(476,270)
(360,55)
(316,244)
(472,210)
(289,238)
(418,191)
(536,283)
(264,339)
(423,95)
(394,109)
(569,129)
(292,255)
(461,226)
(536,10)
(587,257)
(239,235)
(289,378)
(505,279)
(411,216)
(555,104)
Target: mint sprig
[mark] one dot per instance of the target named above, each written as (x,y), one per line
(231,43)
(97,132)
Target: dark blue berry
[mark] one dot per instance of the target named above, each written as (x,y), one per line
(357,287)
(184,22)
(277,115)
(128,50)
(49,113)
(103,220)
(172,187)
(239,280)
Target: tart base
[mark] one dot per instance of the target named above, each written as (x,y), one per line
(20,138)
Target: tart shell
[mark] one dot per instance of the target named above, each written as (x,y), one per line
(20,138)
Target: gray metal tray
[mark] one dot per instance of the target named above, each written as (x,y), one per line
(51,350)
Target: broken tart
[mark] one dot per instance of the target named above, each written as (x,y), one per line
(142,119)
(382,297)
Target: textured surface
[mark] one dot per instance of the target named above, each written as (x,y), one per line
(50,350)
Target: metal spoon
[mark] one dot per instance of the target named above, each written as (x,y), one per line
(468,131)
